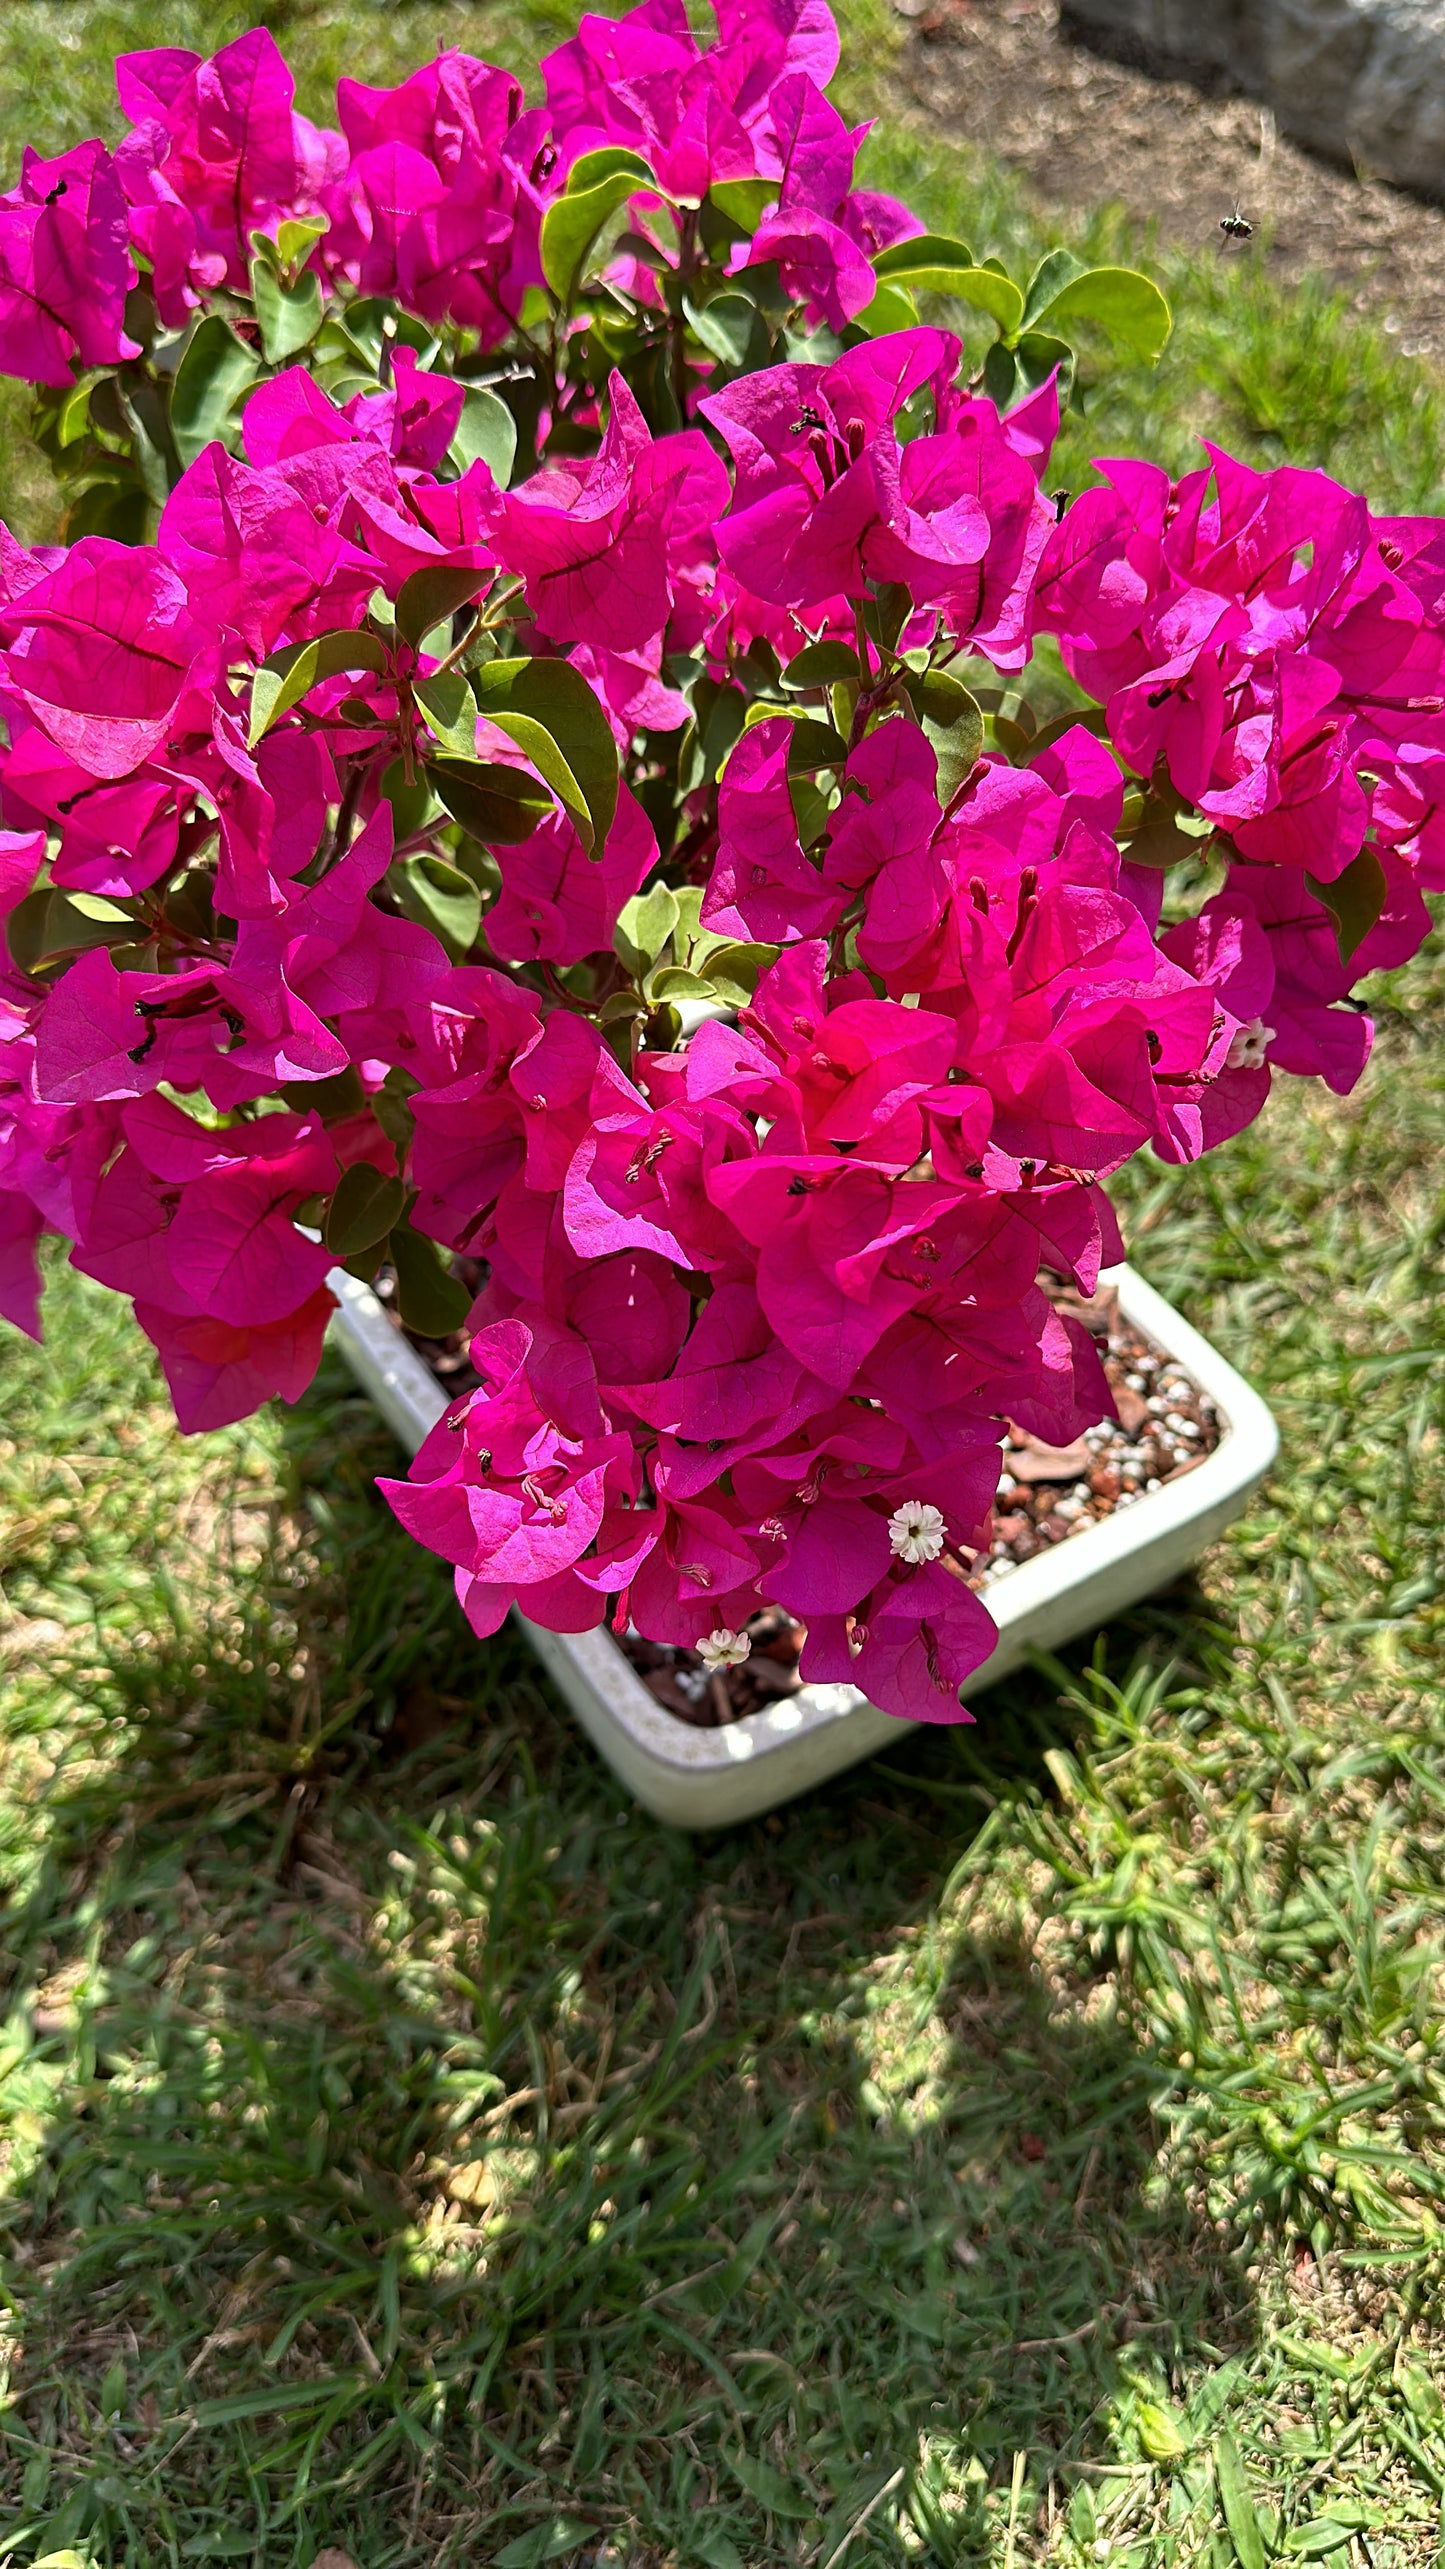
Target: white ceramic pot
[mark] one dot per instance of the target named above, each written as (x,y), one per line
(703,1779)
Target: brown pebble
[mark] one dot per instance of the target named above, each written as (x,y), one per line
(1104,1481)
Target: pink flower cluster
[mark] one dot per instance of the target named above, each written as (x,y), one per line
(607,878)
(749,109)
(432,193)
(1277,652)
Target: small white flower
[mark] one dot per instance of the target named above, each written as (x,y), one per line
(1250,1045)
(915,1531)
(724,1649)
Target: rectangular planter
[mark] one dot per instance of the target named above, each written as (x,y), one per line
(703,1779)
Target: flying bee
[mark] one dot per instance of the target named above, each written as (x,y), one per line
(1060,501)
(1235,227)
(808,418)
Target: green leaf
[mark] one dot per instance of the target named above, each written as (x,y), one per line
(715,2549)
(813,745)
(990,292)
(610,160)
(298,235)
(429,1298)
(1036,356)
(567,735)
(644,925)
(332,1099)
(428,597)
(810,809)
(438,896)
(362,1210)
(945,703)
(539,746)
(1419,2394)
(289,316)
(934,264)
(499,805)
(732,329)
(734,970)
(673,981)
(486,433)
(598,184)
(450,711)
(769,2486)
(1129,307)
(1354,900)
(72,416)
(1158,842)
(1161,2431)
(288,675)
(885,615)
(892,308)
(215,370)
(295,239)
(410,800)
(1083,2516)
(1053,273)
(720,713)
(1000,376)
(1318,2539)
(932,261)
(952,723)
(115,506)
(744,200)
(546,2541)
(1090,717)
(822,664)
(1239,2510)
(391,1105)
(49,923)
(157,458)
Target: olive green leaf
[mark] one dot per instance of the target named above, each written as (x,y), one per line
(362,1210)
(429,1298)
(438,896)
(547,707)
(1354,900)
(597,185)
(499,805)
(216,368)
(486,432)
(288,675)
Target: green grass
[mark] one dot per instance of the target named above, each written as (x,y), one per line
(1006,2155)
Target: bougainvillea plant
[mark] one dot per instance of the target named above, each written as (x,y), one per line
(531,748)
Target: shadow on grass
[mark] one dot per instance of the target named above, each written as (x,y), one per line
(417,2149)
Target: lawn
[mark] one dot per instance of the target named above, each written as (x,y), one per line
(1032,2148)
